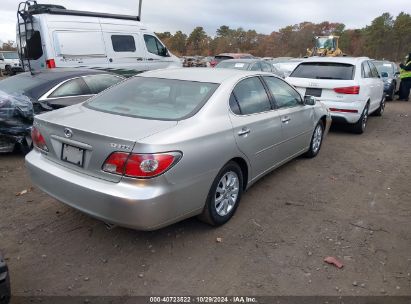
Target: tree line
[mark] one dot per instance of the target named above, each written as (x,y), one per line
(385,38)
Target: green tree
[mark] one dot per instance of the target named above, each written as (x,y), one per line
(197,42)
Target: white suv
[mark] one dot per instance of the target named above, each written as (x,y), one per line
(350,87)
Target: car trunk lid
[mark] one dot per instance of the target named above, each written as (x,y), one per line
(81,139)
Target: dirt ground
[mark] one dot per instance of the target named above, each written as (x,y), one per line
(352,202)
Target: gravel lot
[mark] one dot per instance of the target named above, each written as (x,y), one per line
(352,202)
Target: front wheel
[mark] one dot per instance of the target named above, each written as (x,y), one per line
(316,141)
(224,195)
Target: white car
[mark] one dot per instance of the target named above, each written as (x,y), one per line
(350,87)
(10,62)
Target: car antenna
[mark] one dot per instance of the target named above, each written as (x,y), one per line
(139,10)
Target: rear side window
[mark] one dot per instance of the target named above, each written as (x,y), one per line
(154,46)
(266,67)
(98,83)
(72,87)
(154,98)
(366,71)
(251,96)
(324,70)
(123,43)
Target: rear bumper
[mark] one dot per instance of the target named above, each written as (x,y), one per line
(136,204)
(339,116)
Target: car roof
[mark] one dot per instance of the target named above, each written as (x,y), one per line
(62,73)
(200,74)
(348,60)
(244,60)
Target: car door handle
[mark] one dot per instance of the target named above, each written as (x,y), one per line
(150,59)
(285,119)
(139,59)
(244,131)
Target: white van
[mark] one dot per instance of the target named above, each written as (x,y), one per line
(51,36)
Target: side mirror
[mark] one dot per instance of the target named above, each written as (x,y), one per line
(309,100)
(397,73)
(164,52)
(384,74)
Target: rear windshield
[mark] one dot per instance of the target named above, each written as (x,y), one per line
(233,65)
(154,98)
(221,58)
(324,70)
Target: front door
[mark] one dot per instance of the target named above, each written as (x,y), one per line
(256,126)
(297,119)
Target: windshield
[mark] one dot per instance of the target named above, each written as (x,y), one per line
(20,84)
(11,55)
(324,70)
(325,43)
(154,98)
(384,67)
(233,65)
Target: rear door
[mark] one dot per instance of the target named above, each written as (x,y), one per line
(297,119)
(377,86)
(256,127)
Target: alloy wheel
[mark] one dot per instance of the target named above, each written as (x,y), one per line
(317,138)
(226,194)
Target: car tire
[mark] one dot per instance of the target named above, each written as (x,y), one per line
(8,70)
(316,141)
(360,126)
(381,109)
(392,95)
(224,195)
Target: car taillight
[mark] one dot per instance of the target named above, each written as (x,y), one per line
(50,63)
(38,139)
(348,90)
(140,165)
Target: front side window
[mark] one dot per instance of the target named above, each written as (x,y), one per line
(154,98)
(74,87)
(154,46)
(266,67)
(256,67)
(284,95)
(98,83)
(123,43)
(251,96)
(374,71)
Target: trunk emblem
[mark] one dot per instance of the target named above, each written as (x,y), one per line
(68,133)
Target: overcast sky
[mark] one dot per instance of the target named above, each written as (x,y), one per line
(264,16)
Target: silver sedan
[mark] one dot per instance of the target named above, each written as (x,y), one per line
(171,144)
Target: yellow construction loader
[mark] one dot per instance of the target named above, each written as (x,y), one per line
(326,46)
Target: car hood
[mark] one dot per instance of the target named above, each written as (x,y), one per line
(112,125)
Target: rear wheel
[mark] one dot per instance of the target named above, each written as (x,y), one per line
(361,124)
(224,195)
(316,141)
(8,70)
